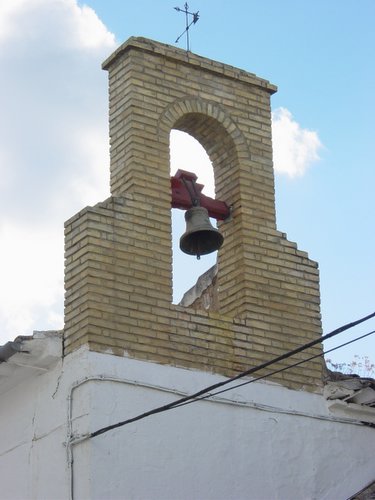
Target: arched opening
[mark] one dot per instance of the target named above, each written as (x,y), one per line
(225,145)
(188,154)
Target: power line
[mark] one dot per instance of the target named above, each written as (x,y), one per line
(192,399)
(276,371)
(196,396)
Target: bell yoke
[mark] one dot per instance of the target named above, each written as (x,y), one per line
(200,237)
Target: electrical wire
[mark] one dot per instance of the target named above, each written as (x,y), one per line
(321,354)
(197,395)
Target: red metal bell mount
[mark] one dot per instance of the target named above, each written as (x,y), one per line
(185,188)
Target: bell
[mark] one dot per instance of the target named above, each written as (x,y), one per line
(200,237)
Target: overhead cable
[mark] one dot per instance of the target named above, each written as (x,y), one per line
(211,394)
(196,395)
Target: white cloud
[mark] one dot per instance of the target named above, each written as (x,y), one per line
(31,270)
(58,22)
(53,148)
(294,148)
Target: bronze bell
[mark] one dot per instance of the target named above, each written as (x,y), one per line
(200,237)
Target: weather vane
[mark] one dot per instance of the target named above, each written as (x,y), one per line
(194,20)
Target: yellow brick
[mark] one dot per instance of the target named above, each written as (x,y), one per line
(118,253)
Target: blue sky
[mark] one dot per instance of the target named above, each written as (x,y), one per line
(54,135)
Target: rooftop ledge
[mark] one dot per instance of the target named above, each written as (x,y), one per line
(188,58)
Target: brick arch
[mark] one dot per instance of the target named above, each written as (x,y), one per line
(211,125)
(211,109)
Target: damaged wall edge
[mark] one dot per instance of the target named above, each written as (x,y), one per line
(9,349)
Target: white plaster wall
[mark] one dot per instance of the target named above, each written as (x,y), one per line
(32,455)
(259,442)
(218,450)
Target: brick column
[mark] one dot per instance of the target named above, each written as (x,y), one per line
(118,267)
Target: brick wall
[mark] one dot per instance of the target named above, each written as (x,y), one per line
(118,254)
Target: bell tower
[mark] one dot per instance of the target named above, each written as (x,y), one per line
(118,275)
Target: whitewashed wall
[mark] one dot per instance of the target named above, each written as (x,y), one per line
(259,442)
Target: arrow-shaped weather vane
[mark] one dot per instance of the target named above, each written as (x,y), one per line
(194,20)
